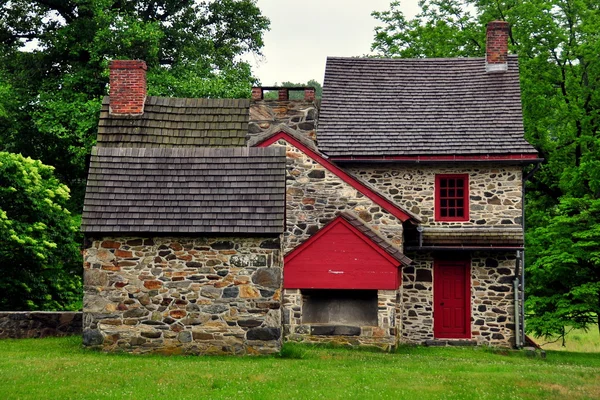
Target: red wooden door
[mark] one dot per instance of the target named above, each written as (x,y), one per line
(451,299)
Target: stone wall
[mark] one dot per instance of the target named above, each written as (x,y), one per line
(383,335)
(39,324)
(300,115)
(495,191)
(315,196)
(183,295)
(492,299)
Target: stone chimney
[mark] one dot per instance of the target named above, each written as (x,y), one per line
(497,47)
(127,87)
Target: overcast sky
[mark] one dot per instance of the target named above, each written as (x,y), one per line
(303,33)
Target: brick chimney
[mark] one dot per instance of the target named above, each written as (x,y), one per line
(127,87)
(497,47)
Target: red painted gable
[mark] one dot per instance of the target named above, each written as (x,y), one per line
(339,256)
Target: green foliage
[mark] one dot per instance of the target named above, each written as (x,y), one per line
(40,257)
(297,95)
(558,45)
(54,57)
(414,372)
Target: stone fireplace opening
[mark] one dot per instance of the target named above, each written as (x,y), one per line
(339,307)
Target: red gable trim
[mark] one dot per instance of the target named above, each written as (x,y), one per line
(342,262)
(486,157)
(375,197)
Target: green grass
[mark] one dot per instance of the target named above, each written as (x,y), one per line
(58,368)
(577,340)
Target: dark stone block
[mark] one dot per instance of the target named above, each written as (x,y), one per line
(423,275)
(92,337)
(135,242)
(306,126)
(253,128)
(418,286)
(148,242)
(151,335)
(266,293)
(193,264)
(503,271)
(249,323)
(150,322)
(498,336)
(270,244)
(506,222)
(498,288)
(223,272)
(491,263)
(316,174)
(264,334)
(223,245)
(267,277)
(501,318)
(163,253)
(335,330)
(498,310)
(506,279)
(482,308)
(479,322)
(231,292)
(409,270)
(135,313)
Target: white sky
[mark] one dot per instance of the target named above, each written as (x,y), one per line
(303,33)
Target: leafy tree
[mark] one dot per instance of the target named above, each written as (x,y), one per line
(298,95)
(54,56)
(41,260)
(558,45)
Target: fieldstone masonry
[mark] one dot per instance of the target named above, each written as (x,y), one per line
(183,295)
(492,296)
(383,335)
(300,115)
(315,196)
(495,191)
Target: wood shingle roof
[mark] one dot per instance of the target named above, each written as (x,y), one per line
(411,107)
(177,122)
(185,190)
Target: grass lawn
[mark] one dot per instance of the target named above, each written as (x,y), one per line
(578,340)
(58,368)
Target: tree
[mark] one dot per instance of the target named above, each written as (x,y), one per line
(54,56)
(40,257)
(298,95)
(558,45)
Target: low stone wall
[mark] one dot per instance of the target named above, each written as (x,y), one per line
(183,295)
(39,324)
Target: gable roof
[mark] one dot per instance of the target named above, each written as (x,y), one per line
(176,122)
(344,254)
(185,190)
(410,107)
(298,140)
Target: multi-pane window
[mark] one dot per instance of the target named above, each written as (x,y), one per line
(452,197)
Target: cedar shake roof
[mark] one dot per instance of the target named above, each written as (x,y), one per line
(175,122)
(410,107)
(375,238)
(185,190)
(473,236)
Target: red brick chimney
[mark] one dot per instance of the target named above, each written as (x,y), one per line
(127,87)
(497,47)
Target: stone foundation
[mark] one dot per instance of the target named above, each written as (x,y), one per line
(183,295)
(39,324)
(300,115)
(383,335)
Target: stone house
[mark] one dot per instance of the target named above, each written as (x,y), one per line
(403,213)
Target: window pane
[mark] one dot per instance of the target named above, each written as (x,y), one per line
(444,203)
(443,193)
(451,212)
(443,183)
(451,203)
(451,193)
(460,212)
(460,193)
(460,203)
(444,212)
(460,183)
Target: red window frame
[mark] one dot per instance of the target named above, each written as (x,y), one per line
(449,199)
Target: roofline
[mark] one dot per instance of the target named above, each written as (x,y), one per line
(341,218)
(378,199)
(463,248)
(519,158)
